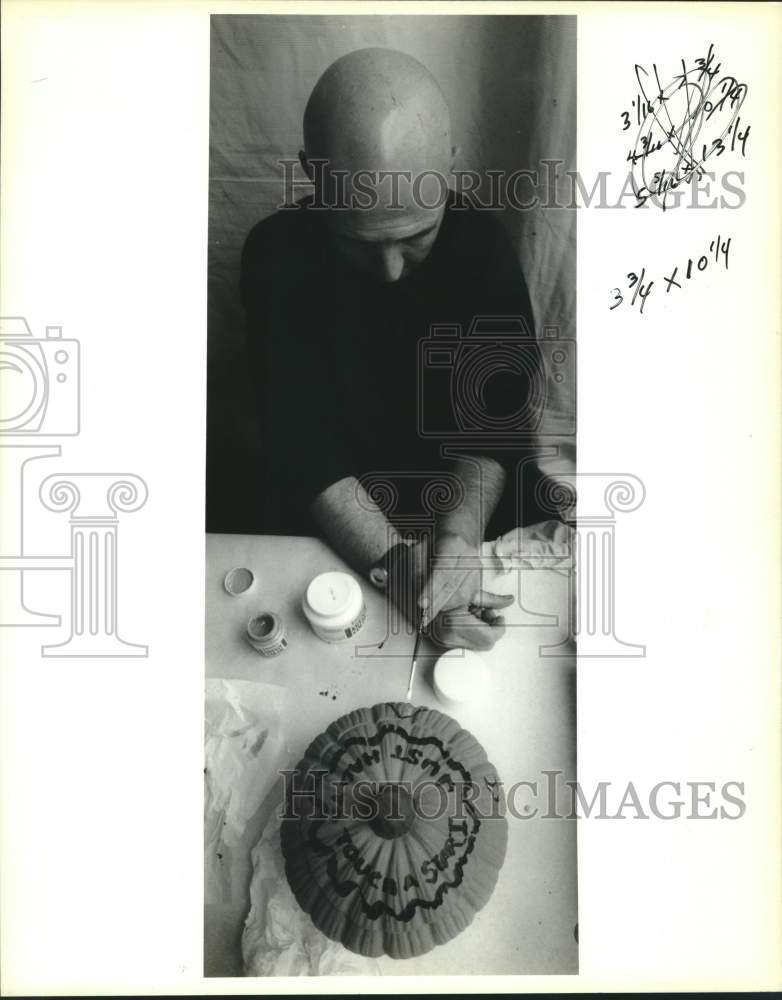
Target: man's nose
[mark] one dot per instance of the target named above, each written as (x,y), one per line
(390,263)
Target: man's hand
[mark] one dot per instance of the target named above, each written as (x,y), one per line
(477,628)
(454,580)
(407,579)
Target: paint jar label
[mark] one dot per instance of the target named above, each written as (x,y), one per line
(357,624)
(271,650)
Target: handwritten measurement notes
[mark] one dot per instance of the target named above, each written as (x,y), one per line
(681,126)
(637,288)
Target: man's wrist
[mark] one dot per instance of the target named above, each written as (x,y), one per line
(382,573)
(401,574)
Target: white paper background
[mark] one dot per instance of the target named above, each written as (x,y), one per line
(102,759)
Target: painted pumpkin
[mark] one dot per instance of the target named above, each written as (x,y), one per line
(395,830)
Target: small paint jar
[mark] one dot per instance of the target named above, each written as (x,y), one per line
(459,676)
(334,606)
(266,633)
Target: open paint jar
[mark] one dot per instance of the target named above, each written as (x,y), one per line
(334,606)
(266,633)
(459,676)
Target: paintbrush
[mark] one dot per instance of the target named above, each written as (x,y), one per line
(414,663)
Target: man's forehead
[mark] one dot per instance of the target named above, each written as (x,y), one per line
(383,223)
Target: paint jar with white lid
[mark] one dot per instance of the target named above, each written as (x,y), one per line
(334,606)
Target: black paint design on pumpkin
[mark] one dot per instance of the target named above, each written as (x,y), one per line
(377,908)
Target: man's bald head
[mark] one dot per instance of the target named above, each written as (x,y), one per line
(378,109)
(377,138)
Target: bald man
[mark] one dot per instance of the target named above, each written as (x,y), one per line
(339,290)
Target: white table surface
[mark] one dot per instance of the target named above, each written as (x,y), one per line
(524,717)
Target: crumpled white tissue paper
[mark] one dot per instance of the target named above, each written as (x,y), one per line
(547,545)
(279,939)
(243,753)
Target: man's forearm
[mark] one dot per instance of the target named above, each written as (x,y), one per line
(353,524)
(483,481)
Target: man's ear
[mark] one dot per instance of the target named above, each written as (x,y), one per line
(306,166)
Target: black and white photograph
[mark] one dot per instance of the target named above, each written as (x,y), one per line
(389,520)
(390,650)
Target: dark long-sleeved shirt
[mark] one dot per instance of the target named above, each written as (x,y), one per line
(352,376)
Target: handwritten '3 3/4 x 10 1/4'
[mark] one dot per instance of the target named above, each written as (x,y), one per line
(640,289)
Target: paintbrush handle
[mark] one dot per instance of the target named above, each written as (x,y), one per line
(413,664)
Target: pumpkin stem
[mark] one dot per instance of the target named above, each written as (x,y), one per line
(395,812)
